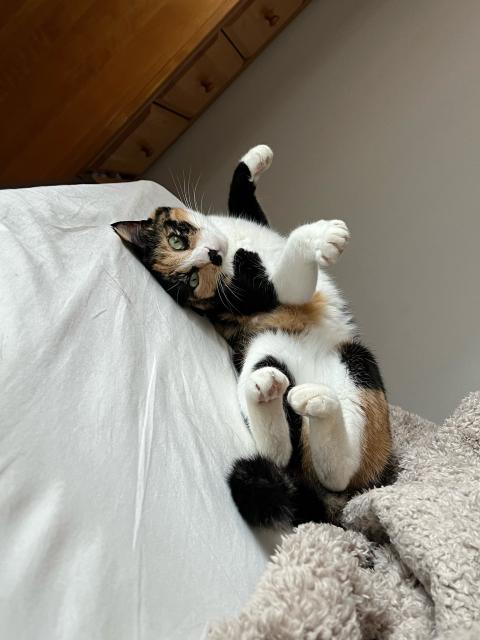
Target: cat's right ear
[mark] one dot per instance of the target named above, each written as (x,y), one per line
(134,232)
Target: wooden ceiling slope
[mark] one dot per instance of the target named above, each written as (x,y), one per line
(72,73)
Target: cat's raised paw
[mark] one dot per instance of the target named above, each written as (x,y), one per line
(267,384)
(332,240)
(324,240)
(315,400)
(258,159)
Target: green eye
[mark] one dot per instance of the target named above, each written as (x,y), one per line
(194,279)
(177,243)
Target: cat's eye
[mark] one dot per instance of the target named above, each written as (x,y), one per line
(177,243)
(194,280)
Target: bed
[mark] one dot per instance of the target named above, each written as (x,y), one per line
(118,423)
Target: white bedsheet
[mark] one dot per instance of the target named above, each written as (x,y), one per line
(118,421)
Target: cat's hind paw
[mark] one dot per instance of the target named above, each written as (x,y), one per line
(267,384)
(258,159)
(315,400)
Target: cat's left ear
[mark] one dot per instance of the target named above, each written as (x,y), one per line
(133,231)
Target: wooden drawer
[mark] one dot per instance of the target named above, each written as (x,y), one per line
(148,140)
(210,72)
(259,23)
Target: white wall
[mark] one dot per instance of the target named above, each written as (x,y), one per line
(373,110)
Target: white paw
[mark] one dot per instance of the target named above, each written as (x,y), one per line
(316,400)
(266,384)
(258,160)
(324,240)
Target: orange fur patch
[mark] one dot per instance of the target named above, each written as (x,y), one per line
(292,318)
(207,283)
(180,215)
(377,439)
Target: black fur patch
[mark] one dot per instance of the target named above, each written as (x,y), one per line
(251,290)
(362,366)
(263,493)
(308,507)
(178,289)
(242,202)
(179,226)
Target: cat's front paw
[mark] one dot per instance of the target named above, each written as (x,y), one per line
(267,384)
(324,241)
(258,159)
(333,239)
(315,400)
(245,260)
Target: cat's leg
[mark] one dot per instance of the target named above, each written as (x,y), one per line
(335,442)
(242,201)
(261,390)
(307,248)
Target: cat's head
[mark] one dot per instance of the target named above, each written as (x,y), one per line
(184,251)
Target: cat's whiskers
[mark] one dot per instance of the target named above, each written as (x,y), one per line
(182,189)
(185,195)
(189,184)
(177,184)
(218,285)
(195,193)
(231,288)
(224,288)
(172,287)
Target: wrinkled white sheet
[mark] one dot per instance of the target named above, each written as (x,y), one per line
(118,421)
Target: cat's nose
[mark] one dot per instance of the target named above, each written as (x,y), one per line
(215,257)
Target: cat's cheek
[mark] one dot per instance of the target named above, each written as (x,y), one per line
(207,285)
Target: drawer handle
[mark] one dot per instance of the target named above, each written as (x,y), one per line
(207,85)
(271,18)
(146,150)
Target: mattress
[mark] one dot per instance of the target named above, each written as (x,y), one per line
(118,424)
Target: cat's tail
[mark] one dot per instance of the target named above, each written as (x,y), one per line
(263,492)
(267,496)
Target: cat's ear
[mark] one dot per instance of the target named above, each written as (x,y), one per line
(135,232)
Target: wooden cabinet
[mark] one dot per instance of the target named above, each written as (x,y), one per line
(157,130)
(105,85)
(208,75)
(259,23)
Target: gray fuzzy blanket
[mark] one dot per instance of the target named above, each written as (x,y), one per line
(406,567)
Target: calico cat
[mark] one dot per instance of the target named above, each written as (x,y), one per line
(311,394)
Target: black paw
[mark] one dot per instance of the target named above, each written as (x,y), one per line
(247,262)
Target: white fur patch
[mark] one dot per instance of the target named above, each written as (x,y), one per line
(261,397)
(266,384)
(322,241)
(312,399)
(258,159)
